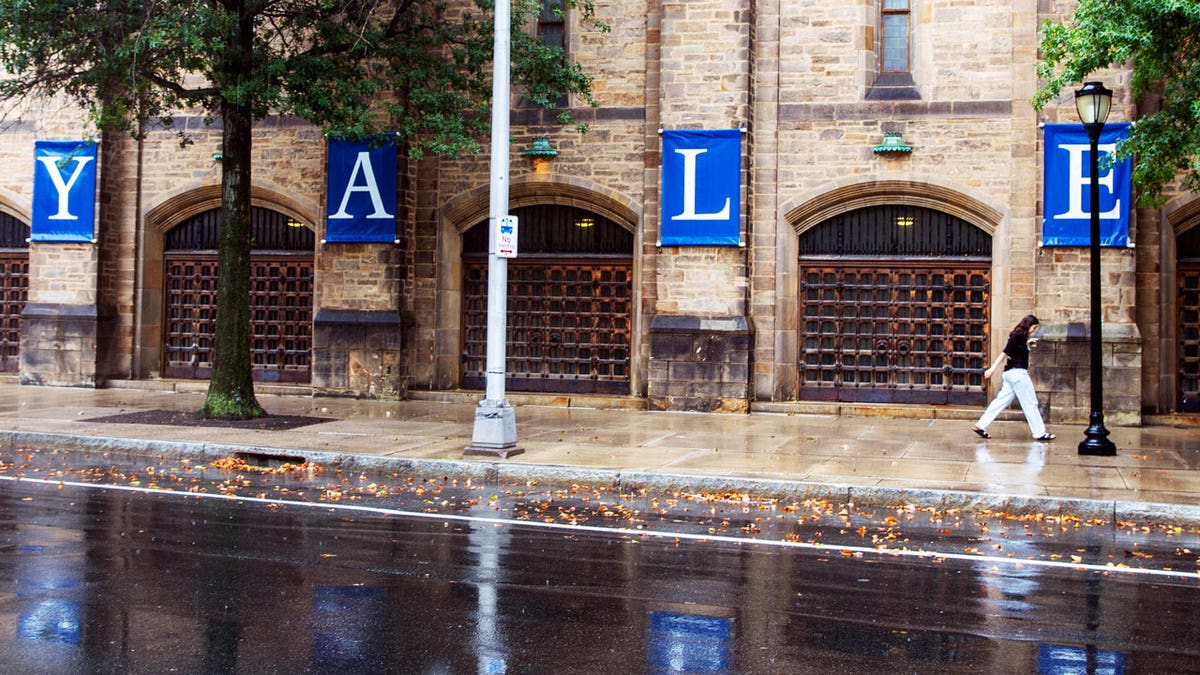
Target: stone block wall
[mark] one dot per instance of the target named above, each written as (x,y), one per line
(1061,368)
(359,353)
(700,364)
(58,324)
(58,345)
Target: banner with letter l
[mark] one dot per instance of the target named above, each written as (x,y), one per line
(1066,217)
(701,188)
(64,191)
(361,191)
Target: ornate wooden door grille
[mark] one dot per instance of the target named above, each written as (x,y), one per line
(570,303)
(191,300)
(280,317)
(14,291)
(1189,336)
(14,288)
(281,297)
(568,324)
(894,307)
(888,333)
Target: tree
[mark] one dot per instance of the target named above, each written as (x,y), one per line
(1157,39)
(420,70)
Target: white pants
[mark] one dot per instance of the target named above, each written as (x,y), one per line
(1017,384)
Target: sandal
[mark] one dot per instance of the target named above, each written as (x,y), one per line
(981,433)
(1045,437)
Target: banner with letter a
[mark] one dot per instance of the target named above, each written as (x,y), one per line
(701,188)
(361,191)
(64,191)
(1066,217)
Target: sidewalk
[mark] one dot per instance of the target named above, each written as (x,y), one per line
(934,462)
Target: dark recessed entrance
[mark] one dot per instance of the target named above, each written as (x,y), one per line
(1188,345)
(281,297)
(14,288)
(570,303)
(894,308)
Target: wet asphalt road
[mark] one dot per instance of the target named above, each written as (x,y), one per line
(103,570)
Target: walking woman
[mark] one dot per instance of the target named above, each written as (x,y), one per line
(1017,383)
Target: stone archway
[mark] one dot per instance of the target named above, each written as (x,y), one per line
(467,211)
(150,323)
(570,303)
(976,279)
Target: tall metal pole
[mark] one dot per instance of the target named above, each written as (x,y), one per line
(1096,437)
(495,430)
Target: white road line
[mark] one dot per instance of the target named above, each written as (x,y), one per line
(832,549)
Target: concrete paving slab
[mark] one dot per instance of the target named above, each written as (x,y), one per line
(859,453)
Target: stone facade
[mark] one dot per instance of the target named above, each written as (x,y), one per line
(699,364)
(796,78)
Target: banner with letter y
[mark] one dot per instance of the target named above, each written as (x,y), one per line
(64,191)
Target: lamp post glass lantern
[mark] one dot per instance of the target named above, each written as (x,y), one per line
(1093,103)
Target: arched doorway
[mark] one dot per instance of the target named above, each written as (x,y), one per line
(570,303)
(1188,320)
(14,288)
(893,304)
(281,296)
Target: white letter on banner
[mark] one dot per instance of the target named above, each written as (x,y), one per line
(64,189)
(1079,183)
(363,162)
(689,189)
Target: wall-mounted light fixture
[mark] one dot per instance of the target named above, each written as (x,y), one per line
(585,221)
(892,143)
(541,152)
(906,221)
(541,148)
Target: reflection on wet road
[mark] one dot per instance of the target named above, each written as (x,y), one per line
(317,573)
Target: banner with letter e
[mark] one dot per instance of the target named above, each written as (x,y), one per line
(1067,184)
(701,188)
(64,191)
(361,191)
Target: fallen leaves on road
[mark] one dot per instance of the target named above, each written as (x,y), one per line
(239,464)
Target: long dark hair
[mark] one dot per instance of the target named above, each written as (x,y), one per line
(1025,325)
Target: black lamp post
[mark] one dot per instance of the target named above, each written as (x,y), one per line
(1093,103)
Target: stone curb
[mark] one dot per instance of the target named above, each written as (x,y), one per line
(488,472)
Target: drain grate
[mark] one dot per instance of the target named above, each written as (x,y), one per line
(268,461)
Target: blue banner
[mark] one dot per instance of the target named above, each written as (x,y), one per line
(361,191)
(701,188)
(64,191)
(1066,220)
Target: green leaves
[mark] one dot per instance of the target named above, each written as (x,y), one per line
(420,68)
(1156,38)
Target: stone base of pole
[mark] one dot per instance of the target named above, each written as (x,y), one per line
(1095,440)
(495,431)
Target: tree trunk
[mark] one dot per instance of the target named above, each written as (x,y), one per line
(231,388)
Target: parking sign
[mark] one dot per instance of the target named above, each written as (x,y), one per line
(506,237)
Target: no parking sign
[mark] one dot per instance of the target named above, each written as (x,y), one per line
(506,237)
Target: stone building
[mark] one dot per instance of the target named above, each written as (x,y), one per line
(889,233)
